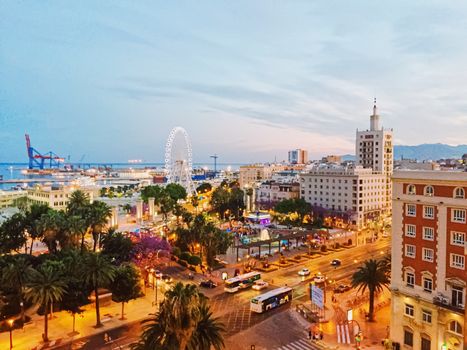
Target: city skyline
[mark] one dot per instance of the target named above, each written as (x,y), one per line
(111,81)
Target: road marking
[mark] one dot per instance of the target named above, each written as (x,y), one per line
(300,344)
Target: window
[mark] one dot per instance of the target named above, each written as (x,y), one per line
(429,233)
(457,296)
(429,191)
(428,254)
(410,277)
(411,210)
(459,193)
(426,344)
(458,215)
(455,327)
(409,310)
(410,230)
(426,316)
(427,284)
(458,238)
(410,250)
(408,338)
(428,212)
(457,261)
(411,189)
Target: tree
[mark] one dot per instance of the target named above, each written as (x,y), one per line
(99,214)
(12,234)
(45,286)
(98,273)
(32,217)
(220,200)
(117,247)
(214,241)
(51,226)
(154,191)
(184,322)
(78,203)
(204,187)
(14,275)
(296,206)
(195,202)
(126,285)
(77,228)
(176,192)
(372,275)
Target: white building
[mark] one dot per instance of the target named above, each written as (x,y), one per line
(7,198)
(355,191)
(57,196)
(270,193)
(298,156)
(374,150)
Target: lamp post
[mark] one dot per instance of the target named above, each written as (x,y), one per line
(10,323)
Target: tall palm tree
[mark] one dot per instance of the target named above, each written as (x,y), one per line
(77,203)
(77,228)
(184,322)
(208,331)
(372,275)
(98,272)
(99,215)
(45,286)
(15,275)
(32,217)
(51,226)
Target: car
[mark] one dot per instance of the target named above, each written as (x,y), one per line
(336,262)
(158,274)
(304,272)
(319,278)
(341,288)
(260,284)
(167,279)
(219,261)
(208,284)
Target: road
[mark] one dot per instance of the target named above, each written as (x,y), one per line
(233,309)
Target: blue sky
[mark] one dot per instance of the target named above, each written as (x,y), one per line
(247,79)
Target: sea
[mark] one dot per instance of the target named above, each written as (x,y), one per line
(11,171)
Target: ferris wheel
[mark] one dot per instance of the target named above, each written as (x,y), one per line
(178,159)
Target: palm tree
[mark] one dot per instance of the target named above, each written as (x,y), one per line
(14,275)
(77,203)
(184,322)
(98,272)
(208,331)
(44,287)
(99,215)
(51,225)
(32,217)
(77,228)
(373,274)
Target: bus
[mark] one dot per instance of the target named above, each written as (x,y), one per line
(271,299)
(233,284)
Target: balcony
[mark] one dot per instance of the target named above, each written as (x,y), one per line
(444,302)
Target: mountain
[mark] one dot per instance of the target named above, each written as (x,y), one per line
(429,151)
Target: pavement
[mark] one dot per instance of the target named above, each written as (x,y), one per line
(277,329)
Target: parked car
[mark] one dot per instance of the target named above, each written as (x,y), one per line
(208,284)
(260,284)
(167,279)
(319,278)
(341,288)
(336,262)
(219,261)
(304,272)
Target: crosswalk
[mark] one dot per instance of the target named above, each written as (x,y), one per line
(301,344)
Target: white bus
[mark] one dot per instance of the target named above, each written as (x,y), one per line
(233,284)
(271,299)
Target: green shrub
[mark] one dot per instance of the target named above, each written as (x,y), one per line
(194,260)
(183,263)
(185,256)
(176,251)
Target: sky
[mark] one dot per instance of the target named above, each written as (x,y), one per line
(248,80)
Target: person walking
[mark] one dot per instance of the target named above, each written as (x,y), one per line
(309,334)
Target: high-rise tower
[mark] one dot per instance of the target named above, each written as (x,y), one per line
(374,149)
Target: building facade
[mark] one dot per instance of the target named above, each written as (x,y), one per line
(352,190)
(250,175)
(298,156)
(374,150)
(57,196)
(429,278)
(269,193)
(8,198)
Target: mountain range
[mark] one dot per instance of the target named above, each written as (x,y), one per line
(426,151)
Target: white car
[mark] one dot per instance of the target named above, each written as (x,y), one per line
(319,278)
(260,285)
(304,272)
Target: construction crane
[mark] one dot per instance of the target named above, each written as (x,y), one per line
(215,163)
(39,160)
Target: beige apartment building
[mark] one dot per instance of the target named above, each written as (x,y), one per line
(57,196)
(252,174)
(7,198)
(352,190)
(428,277)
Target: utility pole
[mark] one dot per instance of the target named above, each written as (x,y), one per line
(215,163)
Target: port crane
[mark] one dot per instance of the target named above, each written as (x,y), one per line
(39,160)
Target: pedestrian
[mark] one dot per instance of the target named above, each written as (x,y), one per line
(320,335)
(309,334)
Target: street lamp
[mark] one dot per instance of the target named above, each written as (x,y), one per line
(10,323)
